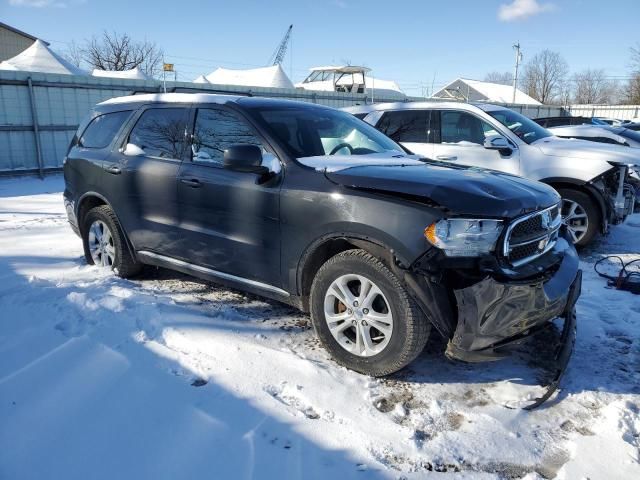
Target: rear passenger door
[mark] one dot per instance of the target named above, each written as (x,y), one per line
(411,128)
(461,140)
(142,188)
(229,220)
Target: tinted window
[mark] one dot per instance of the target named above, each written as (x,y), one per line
(463,128)
(102,129)
(215,131)
(360,115)
(405,125)
(160,132)
(312,131)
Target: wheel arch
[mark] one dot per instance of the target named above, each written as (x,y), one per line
(91,200)
(326,247)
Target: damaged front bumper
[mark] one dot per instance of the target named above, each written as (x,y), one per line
(493,314)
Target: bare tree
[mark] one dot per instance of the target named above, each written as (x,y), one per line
(73,54)
(113,51)
(632,90)
(544,75)
(592,86)
(504,78)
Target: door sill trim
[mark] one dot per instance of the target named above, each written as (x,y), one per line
(213,273)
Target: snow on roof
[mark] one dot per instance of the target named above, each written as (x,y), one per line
(133,74)
(341,69)
(40,58)
(201,79)
(492,92)
(172,98)
(255,77)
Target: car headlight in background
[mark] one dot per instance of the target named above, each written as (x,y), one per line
(462,237)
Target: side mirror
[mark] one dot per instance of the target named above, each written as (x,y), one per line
(498,142)
(244,158)
(132,150)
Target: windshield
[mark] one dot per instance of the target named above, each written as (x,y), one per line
(526,129)
(312,132)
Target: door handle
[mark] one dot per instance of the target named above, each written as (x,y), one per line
(447,158)
(192,182)
(113,170)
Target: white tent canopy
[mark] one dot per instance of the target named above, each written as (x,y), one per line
(477,91)
(201,79)
(133,74)
(273,77)
(40,58)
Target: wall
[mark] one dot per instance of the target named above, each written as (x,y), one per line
(622,112)
(61,101)
(12,43)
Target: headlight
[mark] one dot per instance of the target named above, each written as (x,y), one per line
(462,237)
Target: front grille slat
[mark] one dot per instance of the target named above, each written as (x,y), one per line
(532,235)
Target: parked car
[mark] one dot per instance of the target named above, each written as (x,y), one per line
(310,206)
(592,179)
(618,136)
(549,122)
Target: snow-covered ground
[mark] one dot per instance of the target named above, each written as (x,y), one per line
(171,377)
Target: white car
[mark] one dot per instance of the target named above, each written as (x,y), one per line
(593,179)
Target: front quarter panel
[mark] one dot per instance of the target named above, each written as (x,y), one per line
(313,209)
(536,165)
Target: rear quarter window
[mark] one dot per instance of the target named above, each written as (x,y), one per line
(101,130)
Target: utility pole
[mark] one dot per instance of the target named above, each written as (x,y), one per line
(515,74)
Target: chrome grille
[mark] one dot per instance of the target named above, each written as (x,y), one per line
(531,236)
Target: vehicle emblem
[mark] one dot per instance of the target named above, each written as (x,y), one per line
(542,244)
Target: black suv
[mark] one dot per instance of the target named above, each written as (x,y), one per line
(313,207)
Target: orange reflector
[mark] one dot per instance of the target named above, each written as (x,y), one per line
(430,233)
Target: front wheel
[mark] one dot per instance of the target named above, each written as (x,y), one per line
(580,215)
(363,315)
(104,243)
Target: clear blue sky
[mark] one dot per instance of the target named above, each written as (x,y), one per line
(412,41)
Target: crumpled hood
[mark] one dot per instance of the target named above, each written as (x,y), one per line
(458,189)
(587,150)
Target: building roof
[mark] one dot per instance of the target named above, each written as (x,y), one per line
(40,58)
(20,32)
(133,74)
(492,92)
(273,77)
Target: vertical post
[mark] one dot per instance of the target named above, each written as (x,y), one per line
(36,129)
(515,73)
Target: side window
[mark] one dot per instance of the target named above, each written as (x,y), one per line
(160,132)
(464,128)
(215,131)
(100,132)
(405,125)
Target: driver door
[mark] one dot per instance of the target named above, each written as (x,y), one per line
(461,140)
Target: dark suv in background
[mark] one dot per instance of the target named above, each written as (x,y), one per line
(310,206)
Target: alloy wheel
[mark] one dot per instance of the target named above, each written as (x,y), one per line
(575,218)
(358,315)
(103,251)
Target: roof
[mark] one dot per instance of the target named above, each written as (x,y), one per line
(341,69)
(20,32)
(201,79)
(417,106)
(273,77)
(132,74)
(492,92)
(40,58)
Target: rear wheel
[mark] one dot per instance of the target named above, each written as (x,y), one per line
(363,315)
(580,215)
(104,243)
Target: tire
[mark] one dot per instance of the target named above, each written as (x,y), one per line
(387,299)
(580,235)
(114,253)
